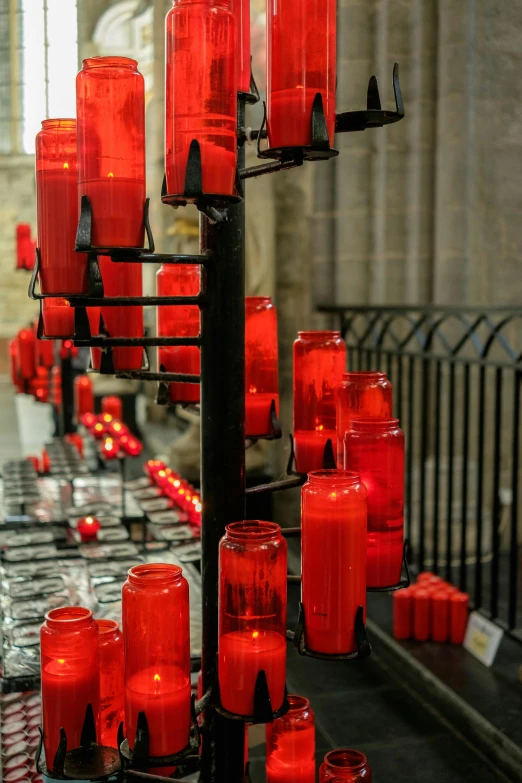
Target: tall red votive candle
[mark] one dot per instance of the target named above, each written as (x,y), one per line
(421,615)
(375,449)
(70,671)
(201,87)
(261,372)
(333,534)
(111,681)
(62,271)
(110,107)
(83,395)
(459,614)
(26,341)
(252,614)
(183,321)
(290,744)
(319,362)
(113,406)
(157,656)
(402,613)
(361,395)
(301,51)
(345,766)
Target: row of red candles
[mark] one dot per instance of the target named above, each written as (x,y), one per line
(181,493)
(430,609)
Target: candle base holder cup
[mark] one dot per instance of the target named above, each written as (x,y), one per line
(405,582)
(364,649)
(84,234)
(88,762)
(95,288)
(276,432)
(329,462)
(263,712)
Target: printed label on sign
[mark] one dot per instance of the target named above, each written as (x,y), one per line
(482,638)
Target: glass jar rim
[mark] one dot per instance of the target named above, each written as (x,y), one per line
(316,334)
(345,758)
(54,123)
(252,530)
(68,617)
(340,476)
(257,299)
(152,574)
(107,627)
(375,423)
(298,703)
(111,61)
(364,375)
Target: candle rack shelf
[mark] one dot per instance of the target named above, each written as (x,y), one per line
(364,649)
(263,712)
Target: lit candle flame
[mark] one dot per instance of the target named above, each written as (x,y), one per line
(255,634)
(66,165)
(89,520)
(157,678)
(110,174)
(61,660)
(177,483)
(333,495)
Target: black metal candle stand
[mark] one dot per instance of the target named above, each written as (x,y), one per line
(363,650)
(402,583)
(251,97)
(263,712)
(90,761)
(329,462)
(84,234)
(276,431)
(94,288)
(374,116)
(140,758)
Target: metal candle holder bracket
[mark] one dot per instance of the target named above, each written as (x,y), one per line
(84,234)
(276,431)
(329,462)
(402,583)
(363,650)
(90,761)
(251,97)
(374,116)
(140,758)
(263,712)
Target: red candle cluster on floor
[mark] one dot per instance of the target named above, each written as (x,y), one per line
(290,744)
(431,609)
(116,441)
(182,495)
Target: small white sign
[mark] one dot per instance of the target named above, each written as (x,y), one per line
(482,638)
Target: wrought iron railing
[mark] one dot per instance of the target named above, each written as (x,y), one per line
(457,377)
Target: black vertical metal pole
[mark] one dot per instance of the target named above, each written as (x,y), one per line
(222,455)
(67,396)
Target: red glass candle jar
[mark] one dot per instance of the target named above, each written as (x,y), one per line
(290,745)
(301,41)
(421,615)
(83,395)
(26,341)
(459,614)
(319,362)
(184,321)
(252,614)
(361,395)
(241,10)
(113,406)
(61,271)
(110,107)
(44,353)
(261,376)
(345,766)
(70,671)
(58,318)
(88,529)
(111,681)
(120,279)
(375,449)
(201,87)
(402,613)
(157,656)
(333,533)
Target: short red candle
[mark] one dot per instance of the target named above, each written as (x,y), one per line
(184,321)
(23,245)
(440,616)
(252,614)
(111,681)
(301,52)
(421,615)
(70,670)
(113,406)
(88,529)
(110,449)
(88,420)
(345,766)
(290,745)
(375,449)
(459,614)
(201,86)
(241,10)
(26,341)
(333,534)
(425,576)
(361,395)
(110,107)
(62,271)
(98,430)
(131,446)
(261,371)
(58,318)
(402,613)
(83,395)
(319,361)
(153,466)
(157,656)
(117,429)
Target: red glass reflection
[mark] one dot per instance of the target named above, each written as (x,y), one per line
(333,521)
(157,656)
(361,395)
(252,614)
(261,373)
(319,362)
(184,321)
(110,107)
(290,745)
(83,395)
(345,766)
(301,46)
(201,86)
(241,10)
(70,671)
(62,271)
(111,681)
